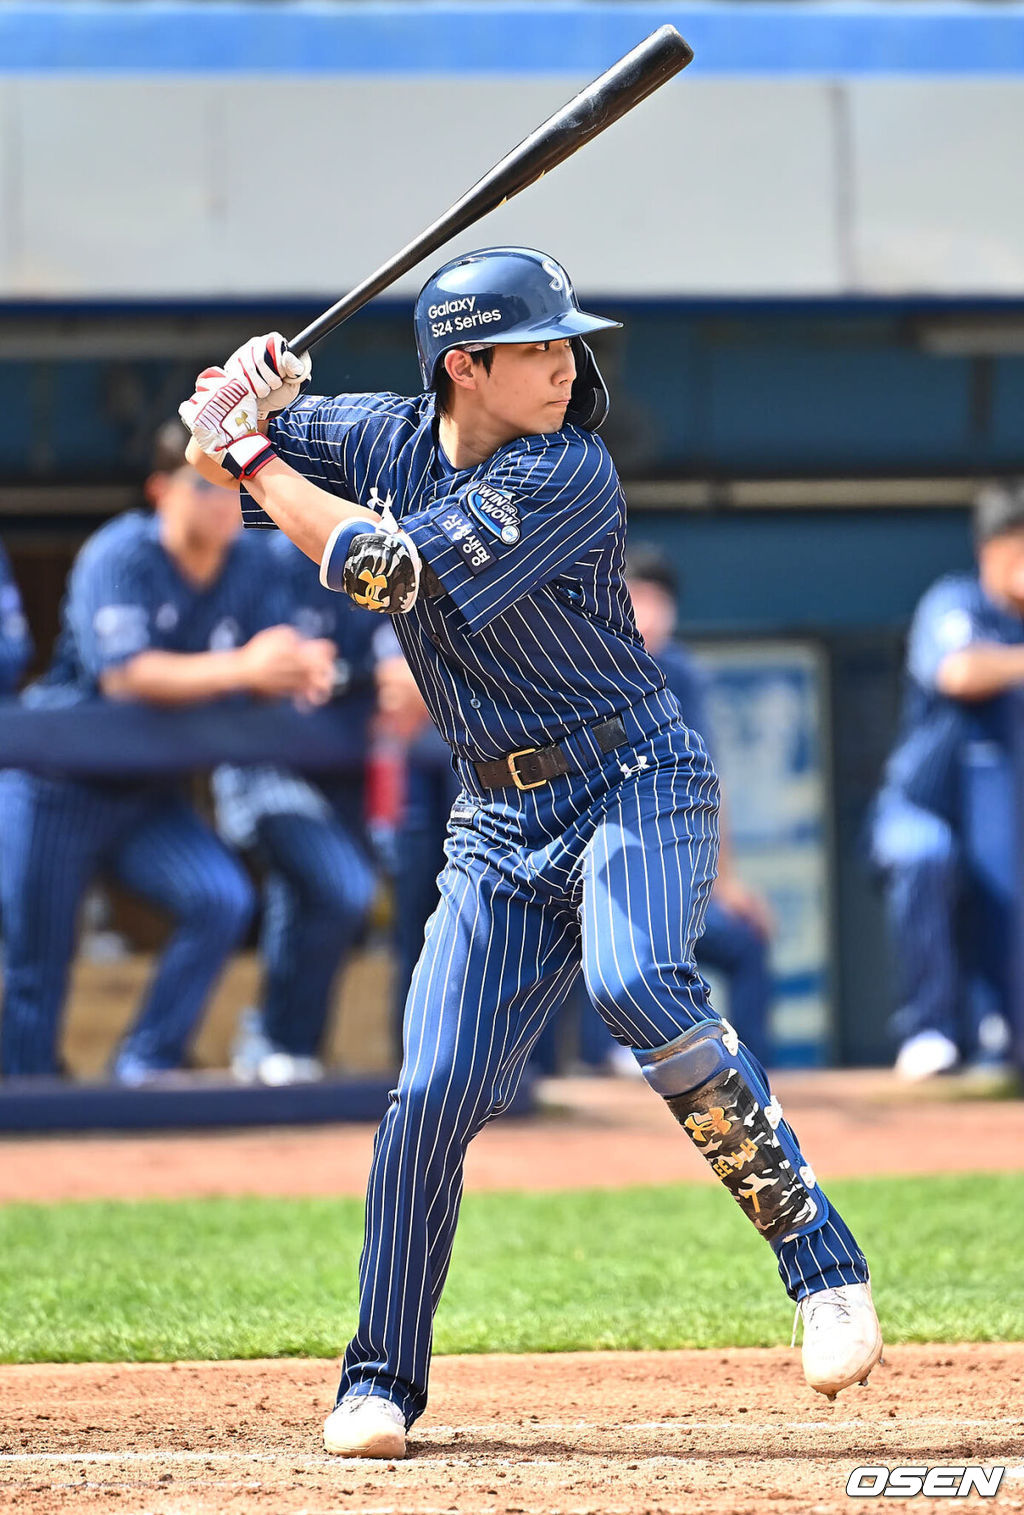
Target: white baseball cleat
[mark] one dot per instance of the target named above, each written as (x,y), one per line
(926,1055)
(842,1337)
(365,1425)
(255,1059)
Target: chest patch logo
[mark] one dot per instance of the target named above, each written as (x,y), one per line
(495,511)
(226,634)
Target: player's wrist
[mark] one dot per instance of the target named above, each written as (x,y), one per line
(336,551)
(247,456)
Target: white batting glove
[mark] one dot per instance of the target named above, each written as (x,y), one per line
(222,417)
(273,373)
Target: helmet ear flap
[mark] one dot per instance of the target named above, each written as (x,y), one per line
(588,405)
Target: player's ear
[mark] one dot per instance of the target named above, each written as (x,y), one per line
(460,368)
(154,488)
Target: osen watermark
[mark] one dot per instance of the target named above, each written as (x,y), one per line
(939,1482)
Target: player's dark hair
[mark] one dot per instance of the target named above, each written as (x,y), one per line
(169,443)
(650,565)
(443,386)
(998,509)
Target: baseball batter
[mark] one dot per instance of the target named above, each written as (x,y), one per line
(490,524)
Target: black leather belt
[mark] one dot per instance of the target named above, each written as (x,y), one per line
(532,767)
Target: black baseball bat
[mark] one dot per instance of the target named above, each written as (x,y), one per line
(636,75)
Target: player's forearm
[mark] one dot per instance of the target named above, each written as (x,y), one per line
(207,468)
(981,671)
(177,678)
(303,511)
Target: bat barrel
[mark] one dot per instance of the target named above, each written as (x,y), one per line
(635,76)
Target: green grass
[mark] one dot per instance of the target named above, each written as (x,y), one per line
(659,1267)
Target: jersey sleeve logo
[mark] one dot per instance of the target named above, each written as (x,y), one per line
(121,629)
(955,630)
(495,511)
(459,530)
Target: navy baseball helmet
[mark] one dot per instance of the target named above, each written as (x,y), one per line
(509,294)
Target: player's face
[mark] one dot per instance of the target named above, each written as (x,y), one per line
(529,386)
(1001,565)
(655,613)
(204,513)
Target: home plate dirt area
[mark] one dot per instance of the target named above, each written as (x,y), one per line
(731,1432)
(728,1432)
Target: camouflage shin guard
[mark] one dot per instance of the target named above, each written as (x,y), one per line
(719,1097)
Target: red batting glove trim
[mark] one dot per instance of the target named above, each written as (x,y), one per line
(247,455)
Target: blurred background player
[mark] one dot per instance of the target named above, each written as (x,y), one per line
(430,787)
(15,642)
(309,839)
(172,608)
(951,924)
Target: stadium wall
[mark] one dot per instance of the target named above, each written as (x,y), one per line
(837,151)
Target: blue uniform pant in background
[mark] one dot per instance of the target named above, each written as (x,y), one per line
(949,904)
(431,788)
(318,890)
(56,835)
(608,869)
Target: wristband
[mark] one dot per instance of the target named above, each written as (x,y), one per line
(332,564)
(245,457)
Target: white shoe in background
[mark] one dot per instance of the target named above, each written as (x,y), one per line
(255,1059)
(926,1055)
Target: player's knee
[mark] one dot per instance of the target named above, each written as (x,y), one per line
(343,894)
(449,1107)
(636,991)
(223,905)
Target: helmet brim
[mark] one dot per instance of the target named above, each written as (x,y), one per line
(574,323)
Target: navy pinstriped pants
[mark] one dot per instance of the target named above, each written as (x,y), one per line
(607,870)
(55,834)
(318,891)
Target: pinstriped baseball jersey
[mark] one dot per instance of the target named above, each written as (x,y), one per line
(535,632)
(924,768)
(126,595)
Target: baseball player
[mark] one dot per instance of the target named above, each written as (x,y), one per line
(173,608)
(584,837)
(15,642)
(965,652)
(318,882)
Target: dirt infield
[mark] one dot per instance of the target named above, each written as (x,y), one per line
(733,1433)
(589,1133)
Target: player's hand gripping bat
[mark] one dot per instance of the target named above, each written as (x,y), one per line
(636,75)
